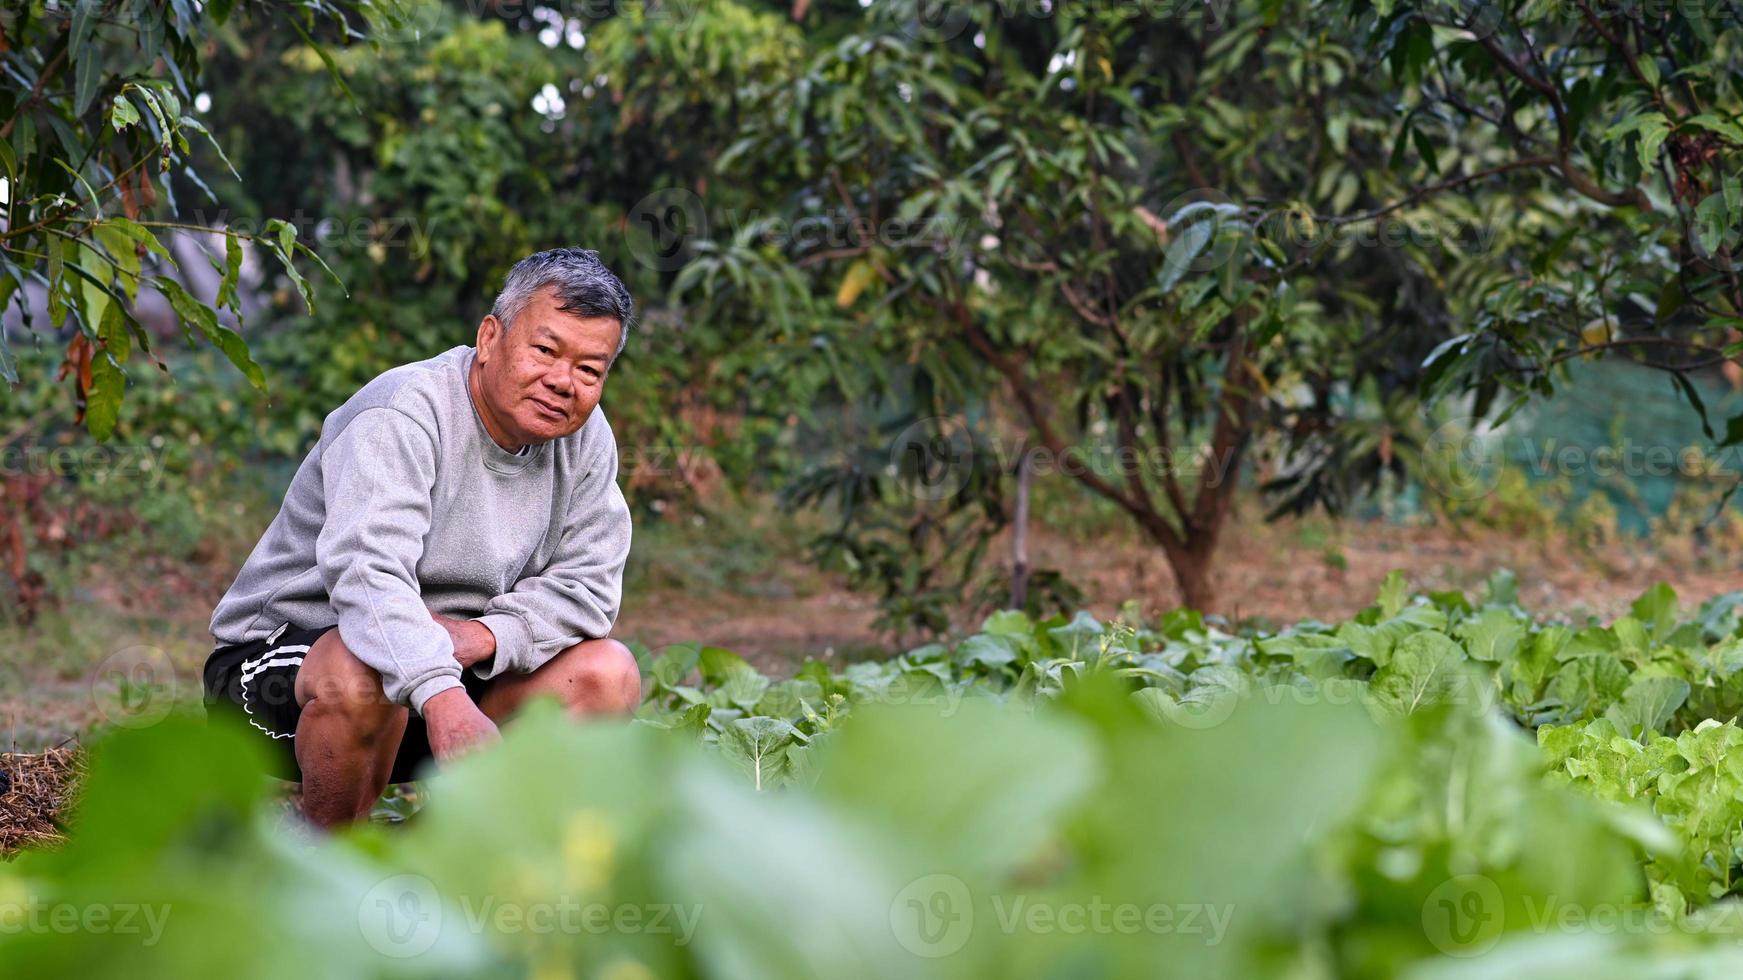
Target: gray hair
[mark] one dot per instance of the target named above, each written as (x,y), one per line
(585,287)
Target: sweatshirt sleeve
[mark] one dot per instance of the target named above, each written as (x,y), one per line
(576,596)
(377,477)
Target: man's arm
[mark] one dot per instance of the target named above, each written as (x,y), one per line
(577,595)
(377,479)
(473,641)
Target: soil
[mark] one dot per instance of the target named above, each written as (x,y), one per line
(1275,573)
(1272,573)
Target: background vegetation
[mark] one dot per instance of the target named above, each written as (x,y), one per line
(1035,394)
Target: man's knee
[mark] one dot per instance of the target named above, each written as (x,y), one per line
(600,677)
(332,682)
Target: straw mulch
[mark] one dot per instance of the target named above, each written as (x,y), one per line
(34,790)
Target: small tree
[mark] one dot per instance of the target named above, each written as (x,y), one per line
(97,126)
(1111,217)
(1619,130)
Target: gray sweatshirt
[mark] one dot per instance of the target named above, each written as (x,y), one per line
(407,505)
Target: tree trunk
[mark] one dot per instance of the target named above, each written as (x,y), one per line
(1020,536)
(1193,567)
(1193,579)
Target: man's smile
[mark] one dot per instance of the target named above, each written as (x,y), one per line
(550,409)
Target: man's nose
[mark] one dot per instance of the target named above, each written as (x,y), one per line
(560,380)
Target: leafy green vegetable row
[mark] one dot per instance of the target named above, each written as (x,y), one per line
(1365,799)
(1647,672)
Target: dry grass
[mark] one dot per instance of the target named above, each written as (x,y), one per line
(34,791)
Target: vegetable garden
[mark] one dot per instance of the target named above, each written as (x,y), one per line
(1442,786)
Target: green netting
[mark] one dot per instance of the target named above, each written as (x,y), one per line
(1620,429)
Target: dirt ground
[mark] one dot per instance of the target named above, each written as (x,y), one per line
(80,666)
(1281,572)
(66,673)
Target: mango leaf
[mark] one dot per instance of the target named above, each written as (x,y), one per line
(103,402)
(122,114)
(200,315)
(1182,251)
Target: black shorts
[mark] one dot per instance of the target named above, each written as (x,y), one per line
(256,683)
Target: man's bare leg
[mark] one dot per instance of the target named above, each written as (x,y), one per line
(347,736)
(593,678)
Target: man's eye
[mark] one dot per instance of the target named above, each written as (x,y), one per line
(545,350)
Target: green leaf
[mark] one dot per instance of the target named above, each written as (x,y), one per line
(1426,668)
(283,239)
(193,313)
(982,786)
(1711,222)
(8,286)
(121,253)
(1648,705)
(674,664)
(122,114)
(333,71)
(1394,593)
(103,403)
(1652,128)
(93,297)
(1657,606)
(87,77)
(718,664)
(232,273)
(1425,147)
(1493,636)
(1181,251)
(112,331)
(758,746)
(84,21)
(139,234)
(55,246)
(1716,124)
(1648,70)
(1690,392)
(1586,685)
(990,652)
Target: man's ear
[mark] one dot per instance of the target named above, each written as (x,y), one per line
(489,332)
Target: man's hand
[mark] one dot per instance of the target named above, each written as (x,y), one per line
(473,641)
(456,726)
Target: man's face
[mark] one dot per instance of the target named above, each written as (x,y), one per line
(541,380)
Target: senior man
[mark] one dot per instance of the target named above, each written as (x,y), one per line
(453,545)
